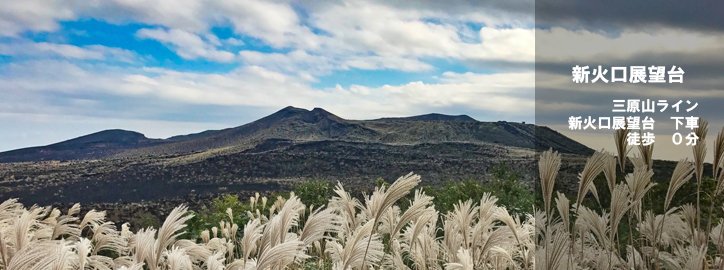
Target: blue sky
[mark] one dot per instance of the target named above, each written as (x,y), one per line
(173,67)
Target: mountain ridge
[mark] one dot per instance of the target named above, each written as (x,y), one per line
(95,145)
(302,125)
(274,153)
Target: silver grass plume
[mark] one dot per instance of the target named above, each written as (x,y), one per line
(419,206)
(609,171)
(639,183)
(278,256)
(318,223)
(683,171)
(382,199)
(699,155)
(252,234)
(548,167)
(351,255)
(718,164)
(66,225)
(620,137)
(620,204)
(464,261)
(563,206)
(594,166)
(647,153)
(171,229)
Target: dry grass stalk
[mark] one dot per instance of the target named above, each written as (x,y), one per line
(699,156)
(621,140)
(480,235)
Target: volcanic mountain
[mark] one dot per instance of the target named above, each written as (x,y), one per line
(297,125)
(92,146)
(270,154)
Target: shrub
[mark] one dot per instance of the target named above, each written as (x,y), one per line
(669,225)
(348,234)
(314,192)
(505,184)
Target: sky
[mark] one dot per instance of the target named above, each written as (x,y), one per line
(170,67)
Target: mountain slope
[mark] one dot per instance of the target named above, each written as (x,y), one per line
(297,125)
(97,145)
(289,123)
(274,153)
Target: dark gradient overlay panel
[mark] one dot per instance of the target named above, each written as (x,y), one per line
(653,67)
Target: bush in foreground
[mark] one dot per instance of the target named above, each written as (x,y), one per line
(282,234)
(581,233)
(376,233)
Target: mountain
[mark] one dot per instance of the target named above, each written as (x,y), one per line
(289,123)
(435,117)
(300,125)
(273,153)
(92,146)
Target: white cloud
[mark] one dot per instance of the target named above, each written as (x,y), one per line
(35,15)
(343,35)
(563,45)
(505,93)
(45,49)
(274,22)
(396,39)
(491,13)
(188,15)
(309,65)
(233,42)
(391,32)
(508,94)
(58,76)
(378,62)
(504,44)
(256,86)
(298,62)
(188,45)
(412,33)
